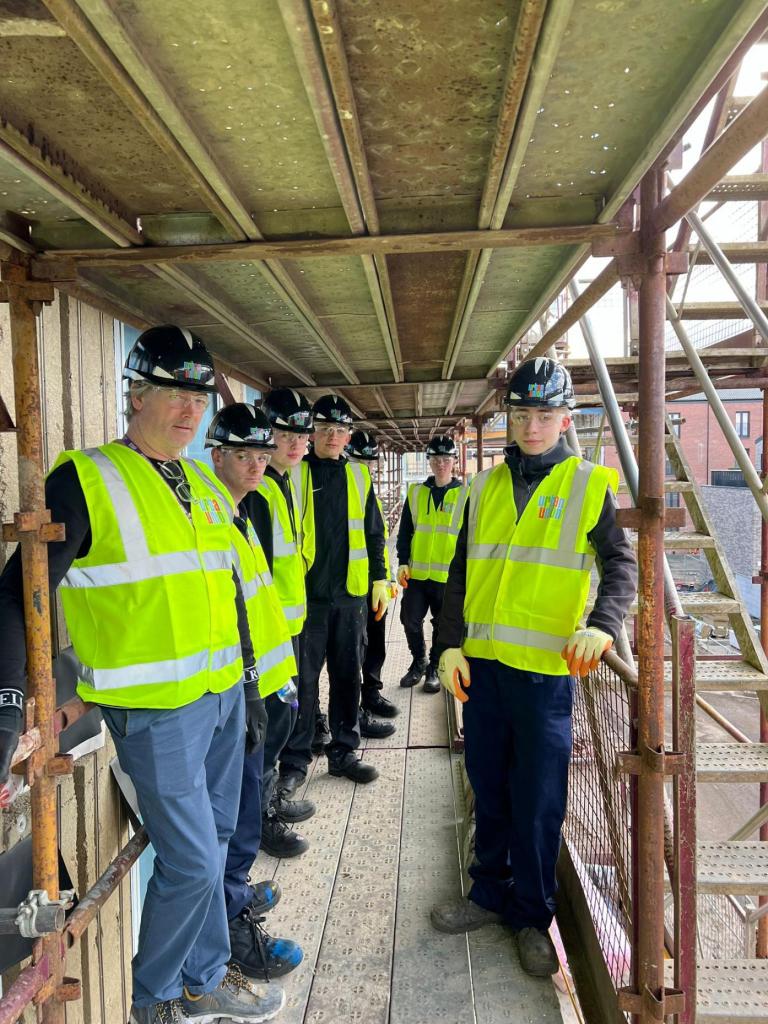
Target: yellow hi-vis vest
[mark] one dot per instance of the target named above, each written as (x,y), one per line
(528,579)
(288,567)
(304,511)
(272,647)
(435,531)
(151,607)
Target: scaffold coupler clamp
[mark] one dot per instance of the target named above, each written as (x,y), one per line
(37,915)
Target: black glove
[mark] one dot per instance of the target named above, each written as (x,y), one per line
(255,712)
(11,702)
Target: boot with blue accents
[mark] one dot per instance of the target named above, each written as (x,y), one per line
(256,953)
(234,999)
(266,896)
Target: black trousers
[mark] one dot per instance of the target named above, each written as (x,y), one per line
(420,597)
(333,633)
(374,653)
(281,718)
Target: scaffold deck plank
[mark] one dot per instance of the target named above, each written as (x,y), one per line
(735,868)
(731,991)
(732,762)
(728,674)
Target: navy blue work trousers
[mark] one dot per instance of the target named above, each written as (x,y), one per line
(517,745)
(246,839)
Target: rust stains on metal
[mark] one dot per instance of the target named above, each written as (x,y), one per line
(98,894)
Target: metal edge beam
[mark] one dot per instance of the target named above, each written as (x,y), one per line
(30,160)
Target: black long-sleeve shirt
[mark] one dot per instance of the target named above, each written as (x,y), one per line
(619,567)
(327,579)
(64,497)
(406,529)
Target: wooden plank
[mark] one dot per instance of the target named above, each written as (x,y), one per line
(294,249)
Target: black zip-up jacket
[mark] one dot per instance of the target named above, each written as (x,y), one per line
(327,579)
(619,567)
(64,497)
(406,529)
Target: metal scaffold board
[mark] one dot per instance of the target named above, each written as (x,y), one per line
(728,674)
(702,604)
(730,867)
(732,762)
(730,991)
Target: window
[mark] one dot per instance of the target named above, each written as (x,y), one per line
(672,499)
(677,423)
(742,424)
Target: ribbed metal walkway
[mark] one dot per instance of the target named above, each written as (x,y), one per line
(358,901)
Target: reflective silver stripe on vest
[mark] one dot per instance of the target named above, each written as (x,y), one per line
(128,520)
(475,491)
(252,587)
(281,547)
(540,556)
(217,489)
(174,670)
(572,517)
(426,566)
(512,635)
(148,568)
(274,657)
(295,475)
(357,524)
(358,554)
(294,611)
(359,478)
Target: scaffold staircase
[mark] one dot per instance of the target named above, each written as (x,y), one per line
(728,990)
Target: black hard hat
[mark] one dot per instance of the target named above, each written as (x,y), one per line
(289,410)
(240,426)
(363,445)
(540,382)
(171,356)
(441,444)
(332,409)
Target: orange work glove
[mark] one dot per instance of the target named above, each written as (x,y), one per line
(453,671)
(584,650)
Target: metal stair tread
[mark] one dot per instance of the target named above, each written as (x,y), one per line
(729,674)
(670,486)
(704,603)
(732,867)
(680,540)
(730,991)
(732,762)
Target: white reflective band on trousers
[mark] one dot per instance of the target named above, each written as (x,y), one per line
(174,670)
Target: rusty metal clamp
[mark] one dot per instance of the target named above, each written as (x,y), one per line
(37,915)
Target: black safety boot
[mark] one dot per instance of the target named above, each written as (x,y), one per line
(256,953)
(431,681)
(378,705)
(292,810)
(414,673)
(322,735)
(278,840)
(266,896)
(349,767)
(289,780)
(372,728)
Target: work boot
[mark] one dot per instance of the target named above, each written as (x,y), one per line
(288,781)
(292,810)
(371,727)
(379,706)
(169,1012)
(461,915)
(235,999)
(257,954)
(431,681)
(350,767)
(266,896)
(278,840)
(538,955)
(322,735)
(414,673)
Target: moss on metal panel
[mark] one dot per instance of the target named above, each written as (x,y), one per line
(514,278)
(359,339)
(244,288)
(138,288)
(233,67)
(621,69)
(428,79)
(29,200)
(49,90)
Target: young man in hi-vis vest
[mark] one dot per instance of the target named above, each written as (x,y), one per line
(240,439)
(286,530)
(152,605)
(512,625)
(426,540)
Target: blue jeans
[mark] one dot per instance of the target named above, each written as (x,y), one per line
(186,765)
(517,745)
(246,840)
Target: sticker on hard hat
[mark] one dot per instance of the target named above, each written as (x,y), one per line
(260,433)
(300,419)
(194,371)
(536,390)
